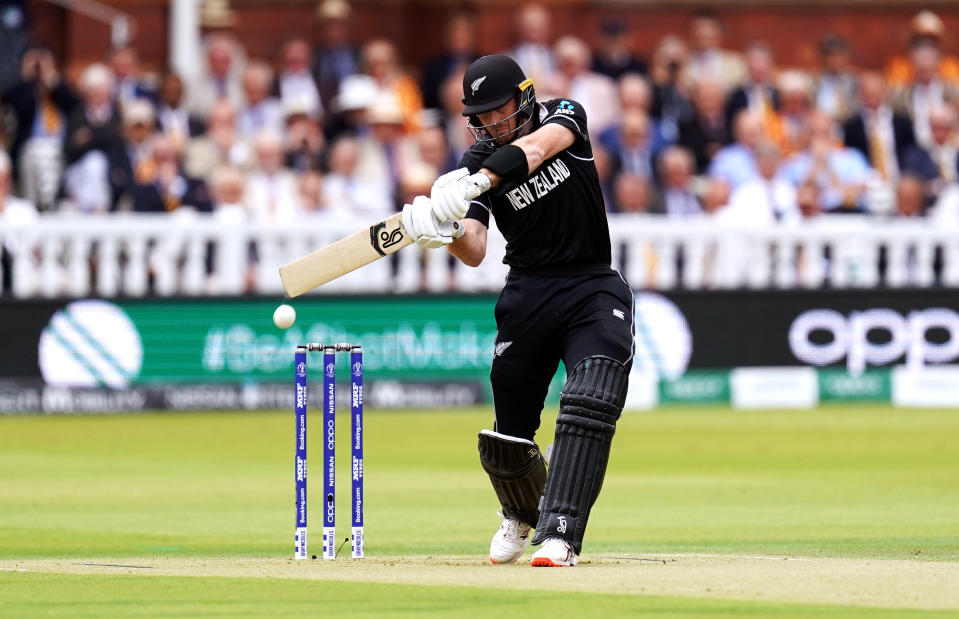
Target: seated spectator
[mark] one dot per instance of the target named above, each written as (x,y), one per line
(39,105)
(706,131)
(94,141)
(791,124)
(715,195)
(381,62)
(736,163)
(635,93)
(926,29)
(836,87)
(311,193)
(305,145)
(133,163)
(808,200)
(232,258)
(348,112)
(127,83)
(262,113)
(632,146)
(348,195)
(910,198)
(938,165)
(272,192)
(707,58)
(434,150)
(94,125)
(295,85)
(454,124)
(417,180)
(632,193)
(533,52)
(676,198)
(614,56)
(671,86)
(168,189)
(219,76)
(758,93)
(336,59)
(227,187)
(574,79)
(173,118)
(219,146)
(840,173)
(385,150)
(926,90)
(458,53)
(880,134)
(766,199)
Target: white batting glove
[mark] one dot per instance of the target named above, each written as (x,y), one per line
(421,224)
(452,192)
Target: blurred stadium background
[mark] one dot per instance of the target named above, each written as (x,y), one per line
(781,181)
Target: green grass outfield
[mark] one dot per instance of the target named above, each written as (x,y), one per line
(837,511)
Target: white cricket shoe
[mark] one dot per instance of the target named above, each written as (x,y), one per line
(555,552)
(510,541)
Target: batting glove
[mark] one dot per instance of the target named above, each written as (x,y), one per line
(452,192)
(420,223)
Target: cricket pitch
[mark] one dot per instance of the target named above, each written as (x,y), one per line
(879,583)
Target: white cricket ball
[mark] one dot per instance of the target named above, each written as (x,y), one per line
(284,316)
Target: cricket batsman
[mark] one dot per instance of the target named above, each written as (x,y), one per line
(532,168)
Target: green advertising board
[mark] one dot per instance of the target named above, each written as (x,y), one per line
(435,338)
(874,385)
(696,387)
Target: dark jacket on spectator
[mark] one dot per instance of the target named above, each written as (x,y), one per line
(330,67)
(120,175)
(148,198)
(436,71)
(703,139)
(918,161)
(24,102)
(738,100)
(84,136)
(854,136)
(629,64)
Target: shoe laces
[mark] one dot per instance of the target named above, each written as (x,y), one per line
(514,529)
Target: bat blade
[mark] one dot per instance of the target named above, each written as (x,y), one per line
(344,256)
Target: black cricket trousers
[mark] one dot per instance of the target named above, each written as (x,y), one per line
(542,319)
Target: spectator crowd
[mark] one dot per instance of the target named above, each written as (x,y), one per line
(354,131)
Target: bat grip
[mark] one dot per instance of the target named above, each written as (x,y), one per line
(473,192)
(478,186)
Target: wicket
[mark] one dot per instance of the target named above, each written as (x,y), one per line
(329,447)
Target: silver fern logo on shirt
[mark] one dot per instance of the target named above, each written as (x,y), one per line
(538,185)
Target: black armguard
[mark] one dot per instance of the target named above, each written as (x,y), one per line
(509,163)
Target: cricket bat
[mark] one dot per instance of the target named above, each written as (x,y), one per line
(344,256)
(347,255)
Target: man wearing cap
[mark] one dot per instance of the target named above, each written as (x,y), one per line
(932,79)
(532,169)
(926,30)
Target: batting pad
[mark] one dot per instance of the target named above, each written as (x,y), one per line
(590,405)
(517,471)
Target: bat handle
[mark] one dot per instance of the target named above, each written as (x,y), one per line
(480,183)
(473,192)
